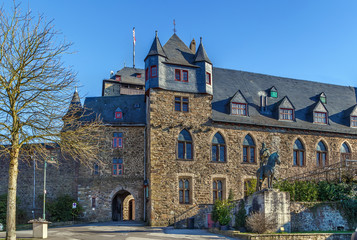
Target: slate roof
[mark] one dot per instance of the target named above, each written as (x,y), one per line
(128,76)
(302,94)
(201,54)
(178,53)
(75,107)
(132,106)
(156,48)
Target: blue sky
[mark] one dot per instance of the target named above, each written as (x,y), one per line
(303,39)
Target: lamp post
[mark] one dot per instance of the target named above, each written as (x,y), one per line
(44,190)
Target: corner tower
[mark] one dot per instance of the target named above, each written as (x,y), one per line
(176,67)
(154,73)
(204,73)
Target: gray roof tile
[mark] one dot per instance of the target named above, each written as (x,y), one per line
(132,106)
(129,76)
(201,54)
(156,48)
(178,53)
(302,94)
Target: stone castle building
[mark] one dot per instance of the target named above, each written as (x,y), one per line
(183,133)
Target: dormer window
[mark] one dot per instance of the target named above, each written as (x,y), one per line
(353,121)
(323,98)
(273,92)
(118,78)
(118,114)
(153,71)
(320,117)
(239,109)
(208,78)
(286,114)
(138,75)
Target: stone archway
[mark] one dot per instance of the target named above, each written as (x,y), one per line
(123,206)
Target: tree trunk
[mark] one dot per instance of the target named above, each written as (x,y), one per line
(11,196)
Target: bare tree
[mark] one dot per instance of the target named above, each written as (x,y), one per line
(35,90)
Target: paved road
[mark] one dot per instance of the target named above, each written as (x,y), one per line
(118,231)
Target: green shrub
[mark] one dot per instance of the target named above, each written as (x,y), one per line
(306,191)
(60,209)
(21,216)
(3,206)
(241,216)
(250,186)
(222,212)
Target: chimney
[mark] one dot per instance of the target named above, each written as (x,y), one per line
(193,46)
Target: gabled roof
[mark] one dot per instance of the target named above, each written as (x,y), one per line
(352,111)
(201,55)
(129,76)
(285,103)
(300,92)
(178,53)
(238,97)
(319,107)
(132,108)
(156,48)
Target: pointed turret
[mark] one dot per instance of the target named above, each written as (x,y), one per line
(156,48)
(201,55)
(75,108)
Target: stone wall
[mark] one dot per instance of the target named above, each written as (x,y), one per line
(274,204)
(61,178)
(165,169)
(104,186)
(319,217)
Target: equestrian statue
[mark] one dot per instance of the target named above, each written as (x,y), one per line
(267,167)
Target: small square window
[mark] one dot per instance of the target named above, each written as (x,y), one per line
(208,78)
(118,115)
(273,94)
(118,78)
(118,166)
(94,205)
(153,71)
(181,104)
(184,75)
(353,121)
(286,114)
(185,190)
(177,74)
(138,75)
(117,140)
(239,109)
(320,117)
(96,169)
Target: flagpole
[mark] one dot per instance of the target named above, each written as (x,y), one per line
(134,47)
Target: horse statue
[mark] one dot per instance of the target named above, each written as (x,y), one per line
(267,171)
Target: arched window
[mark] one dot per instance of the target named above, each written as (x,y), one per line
(345,152)
(248,149)
(218,148)
(299,154)
(321,154)
(184,147)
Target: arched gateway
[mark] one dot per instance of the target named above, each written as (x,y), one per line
(123,206)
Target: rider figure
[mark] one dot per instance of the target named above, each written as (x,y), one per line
(264,155)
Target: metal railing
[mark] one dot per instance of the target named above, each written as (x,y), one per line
(346,168)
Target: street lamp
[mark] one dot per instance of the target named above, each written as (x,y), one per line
(44,189)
